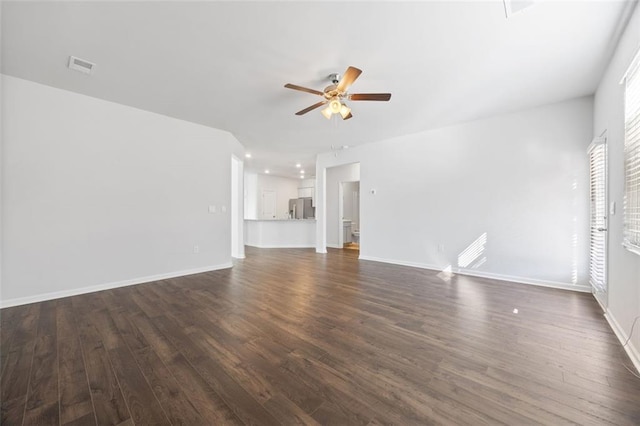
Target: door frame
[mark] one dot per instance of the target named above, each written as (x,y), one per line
(602,296)
(340,214)
(237,208)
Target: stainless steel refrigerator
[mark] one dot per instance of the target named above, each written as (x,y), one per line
(301,208)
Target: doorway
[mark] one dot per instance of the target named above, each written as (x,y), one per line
(349,212)
(598,219)
(329,190)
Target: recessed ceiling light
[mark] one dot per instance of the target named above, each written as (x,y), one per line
(298,165)
(248,155)
(302,172)
(301,177)
(266,171)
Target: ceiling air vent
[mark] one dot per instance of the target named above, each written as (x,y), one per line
(81,65)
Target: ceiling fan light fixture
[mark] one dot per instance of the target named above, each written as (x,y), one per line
(344,111)
(335,105)
(334,94)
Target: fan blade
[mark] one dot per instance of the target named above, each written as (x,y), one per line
(348,116)
(350,75)
(303,89)
(311,108)
(370,96)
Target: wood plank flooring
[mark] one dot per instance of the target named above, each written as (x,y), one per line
(292,337)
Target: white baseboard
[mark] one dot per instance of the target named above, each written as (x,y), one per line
(399,262)
(90,289)
(479,274)
(282,245)
(335,246)
(524,280)
(622,336)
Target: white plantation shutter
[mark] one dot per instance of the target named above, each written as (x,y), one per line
(631,236)
(598,215)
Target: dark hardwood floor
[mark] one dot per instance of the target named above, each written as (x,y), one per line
(291,337)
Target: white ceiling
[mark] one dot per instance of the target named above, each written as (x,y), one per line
(224,64)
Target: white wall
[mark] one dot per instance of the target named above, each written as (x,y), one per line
(97,194)
(520,178)
(2,174)
(336,175)
(250,195)
(624,266)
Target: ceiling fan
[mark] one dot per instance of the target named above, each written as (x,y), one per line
(336,93)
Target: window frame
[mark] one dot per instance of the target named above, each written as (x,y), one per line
(598,153)
(631,204)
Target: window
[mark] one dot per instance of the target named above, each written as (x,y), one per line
(631,237)
(598,215)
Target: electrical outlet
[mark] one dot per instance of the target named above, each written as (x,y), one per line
(441,248)
(212,209)
(196,249)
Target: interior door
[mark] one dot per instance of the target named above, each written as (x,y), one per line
(598,220)
(268,204)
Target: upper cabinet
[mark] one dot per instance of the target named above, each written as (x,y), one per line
(308,189)
(306,192)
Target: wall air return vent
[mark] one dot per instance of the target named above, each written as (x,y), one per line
(81,65)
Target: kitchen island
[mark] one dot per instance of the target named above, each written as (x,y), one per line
(280,233)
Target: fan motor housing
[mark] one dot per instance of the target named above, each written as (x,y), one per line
(331,91)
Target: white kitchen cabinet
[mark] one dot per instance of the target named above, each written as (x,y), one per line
(346,229)
(306,192)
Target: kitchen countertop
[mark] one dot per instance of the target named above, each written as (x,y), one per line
(282,220)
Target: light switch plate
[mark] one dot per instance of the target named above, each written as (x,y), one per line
(224,209)
(212,209)
(612,208)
